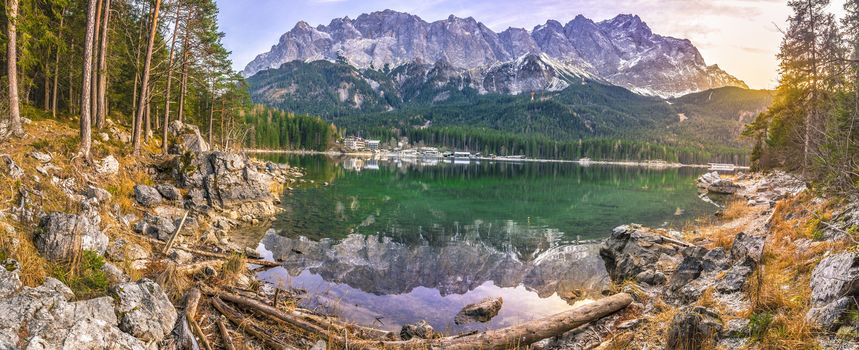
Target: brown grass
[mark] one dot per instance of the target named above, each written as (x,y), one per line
(233,268)
(174,282)
(736,209)
(780,287)
(18,245)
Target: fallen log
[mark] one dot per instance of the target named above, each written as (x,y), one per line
(210,254)
(175,233)
(236,318)
(530,332)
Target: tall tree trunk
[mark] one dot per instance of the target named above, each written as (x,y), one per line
(102,70)
(94,78)
(147,121)
(144,85)
(211,117)
(169,80)
(184,84)
(12,66)
(57,67)
(46,86)
(86,82)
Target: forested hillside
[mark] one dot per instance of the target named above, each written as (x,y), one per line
(429,102)
(276,129)
(812,125)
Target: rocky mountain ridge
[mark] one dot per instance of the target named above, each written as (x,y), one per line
(621,51)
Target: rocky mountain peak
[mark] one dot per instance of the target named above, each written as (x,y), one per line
(622,51)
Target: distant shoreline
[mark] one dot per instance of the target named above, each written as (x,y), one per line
(644,164)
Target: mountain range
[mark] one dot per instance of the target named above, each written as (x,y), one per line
(622,51)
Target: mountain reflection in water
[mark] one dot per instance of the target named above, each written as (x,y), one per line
(388,243)
(364,277)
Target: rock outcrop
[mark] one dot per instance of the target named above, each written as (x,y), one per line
(44,318)
(147,196)
(712,182)
(145,310)
(420,330)
(58,231)
(186,138)
(834,284)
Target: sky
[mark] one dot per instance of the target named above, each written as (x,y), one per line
(741,36)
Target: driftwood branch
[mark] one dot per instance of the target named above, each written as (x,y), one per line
(175,233)
(225,334)
(210,254)
(191,314)
(240,322)
(505,338)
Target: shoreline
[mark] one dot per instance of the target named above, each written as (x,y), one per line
(644,164)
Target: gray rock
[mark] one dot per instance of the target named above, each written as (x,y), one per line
(689,269)
(122,250)
(147,196)
(43,318)
(41,156)
(186,138)
(651,277)
(107,166)
(748,249)
(736,328)
(114,274)
(734,280)
(829,316)
(419,330)
(181,257)
(169,192)
(10,282)
(145,310)
(692,327)
(630,250)
(833,280)
(715,260)
(96,193)
(482,311)
(57,231)
(12,169)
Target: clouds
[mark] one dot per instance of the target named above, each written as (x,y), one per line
(736,34)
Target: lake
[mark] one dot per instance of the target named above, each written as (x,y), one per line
(385,243)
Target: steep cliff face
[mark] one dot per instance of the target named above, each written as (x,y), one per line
(622,51)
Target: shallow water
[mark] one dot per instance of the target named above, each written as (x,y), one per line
(387,243)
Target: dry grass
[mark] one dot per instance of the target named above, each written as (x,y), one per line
(19,246)
(174,282)
(233,268)
(779,289)
(736,209)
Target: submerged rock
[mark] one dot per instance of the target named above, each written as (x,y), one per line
(57,231)
(420,330)
(145,310)
(482,311)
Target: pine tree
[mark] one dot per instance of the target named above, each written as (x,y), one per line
(12,66)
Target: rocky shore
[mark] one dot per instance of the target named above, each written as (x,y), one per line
(712,285)
(138,253)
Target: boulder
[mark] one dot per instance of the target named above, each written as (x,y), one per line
(693,327)
(57,231)
(736,328)
(631,250)
(114,274)
(145,310)
(835,278)
(43,318)
(162,221)
(107,166)
(712,182)
(169,192)
(147,196)
(419,330)
(482,311)
(748,249)
(186,138)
